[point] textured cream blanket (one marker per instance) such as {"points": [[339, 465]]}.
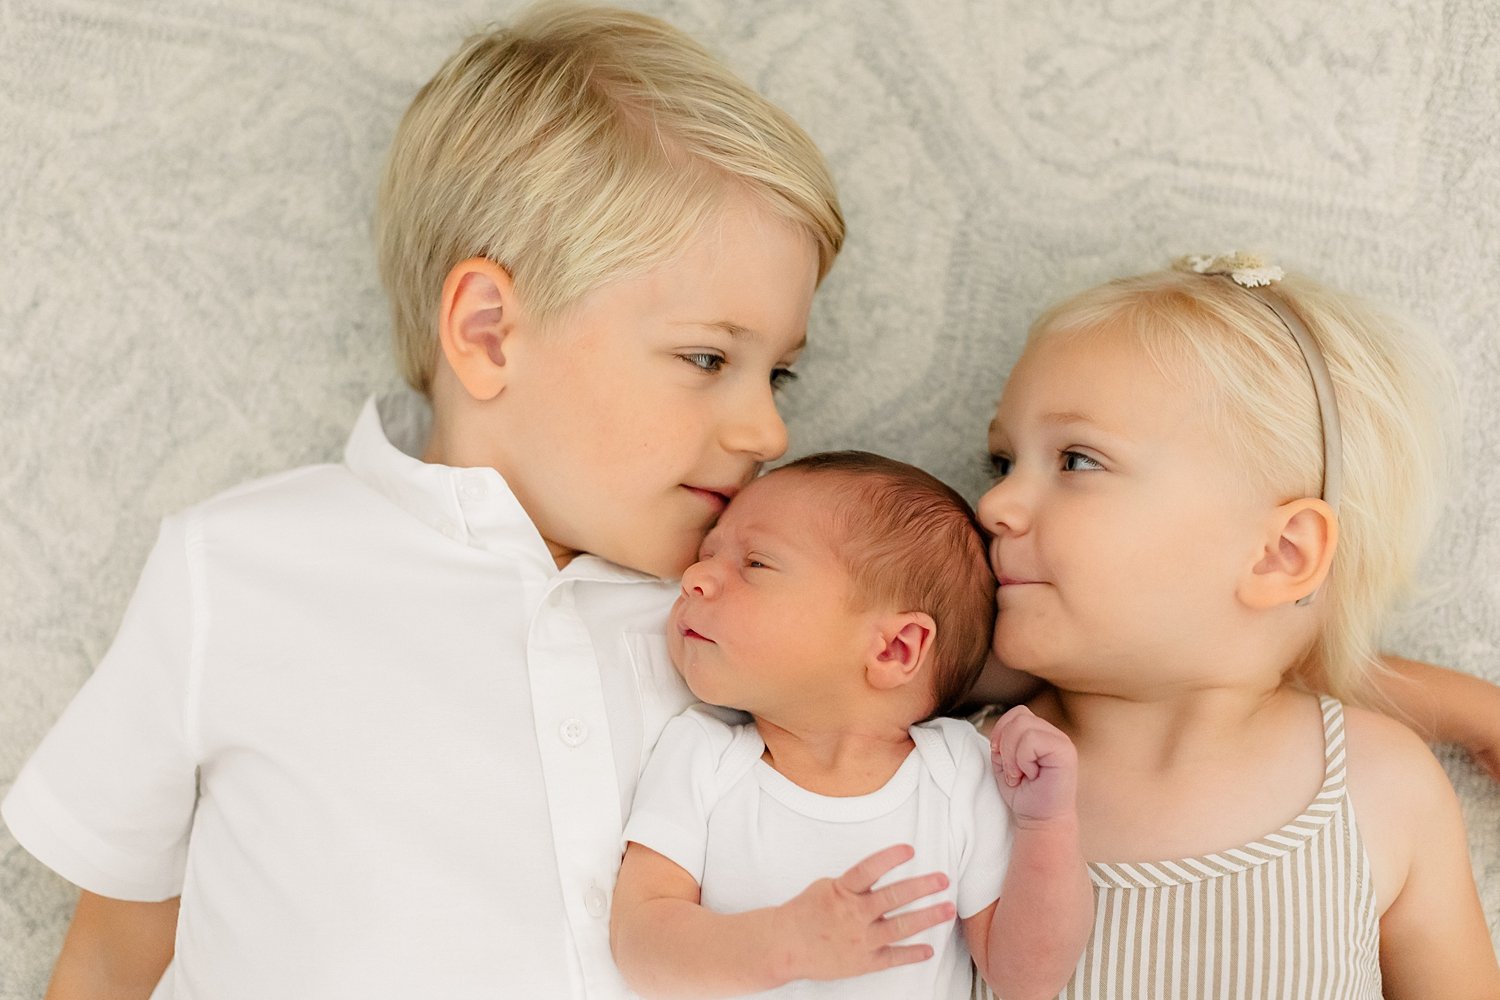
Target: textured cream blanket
{"points": [[188, 297]]}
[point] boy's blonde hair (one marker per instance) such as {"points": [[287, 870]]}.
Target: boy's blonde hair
{"points": [[576, 146], [911, 542], [1390, 384]]}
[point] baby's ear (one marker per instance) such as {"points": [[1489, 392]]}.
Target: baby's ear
{"points": [[478, 311], [1296, 555], [900, 648]]}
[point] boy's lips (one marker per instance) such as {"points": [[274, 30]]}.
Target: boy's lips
{"points": [[717, 497]]}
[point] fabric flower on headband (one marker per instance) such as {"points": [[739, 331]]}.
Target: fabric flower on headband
{"points": [[1243, 269]]}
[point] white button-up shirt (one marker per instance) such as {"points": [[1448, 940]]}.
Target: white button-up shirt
{"points": [[381, 746]]}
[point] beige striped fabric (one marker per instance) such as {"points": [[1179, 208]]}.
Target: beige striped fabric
{"points": [[1290, 916]]}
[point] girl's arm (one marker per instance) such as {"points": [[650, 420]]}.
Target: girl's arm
{"points": [[1433, 938], [668, 945], [1027, 943], [1445, 706]]}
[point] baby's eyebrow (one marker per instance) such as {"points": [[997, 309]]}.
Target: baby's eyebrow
{"points": [[715, 537]]}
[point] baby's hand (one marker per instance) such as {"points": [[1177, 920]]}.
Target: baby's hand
{"points": [[841, 927], [1036, 767]]}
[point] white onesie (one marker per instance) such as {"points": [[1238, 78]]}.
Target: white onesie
{"points": [[752, 838]]}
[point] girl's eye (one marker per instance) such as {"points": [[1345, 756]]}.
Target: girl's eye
{"points": [[782, 377], [1073, 461], [705, 361], [999, 466], [753, 563]]}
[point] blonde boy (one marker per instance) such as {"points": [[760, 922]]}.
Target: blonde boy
{"points": [[370, 729], [835, 835]]}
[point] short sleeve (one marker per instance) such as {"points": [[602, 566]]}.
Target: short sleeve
{"points": [[678, 790], [981, 819], [107, 799]]}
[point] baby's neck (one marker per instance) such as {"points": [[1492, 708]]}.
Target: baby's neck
{"points": [[833, 761]]}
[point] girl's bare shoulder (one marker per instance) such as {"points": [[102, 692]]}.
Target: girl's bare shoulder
{"points": [[1398, 790]]}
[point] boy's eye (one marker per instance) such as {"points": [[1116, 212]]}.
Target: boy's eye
{"points": [[1073, 461], [782, 377], [705, 361], [999, 466]]}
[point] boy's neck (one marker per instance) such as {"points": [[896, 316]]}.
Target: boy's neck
{"points": [[834, 761]]}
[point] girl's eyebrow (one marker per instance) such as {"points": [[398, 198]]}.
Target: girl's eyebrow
{"points": [[1068, 417]]}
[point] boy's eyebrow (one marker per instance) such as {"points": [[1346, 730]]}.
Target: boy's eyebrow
{"points": [[736, 331]]}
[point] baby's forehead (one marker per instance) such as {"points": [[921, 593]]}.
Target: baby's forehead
{"points": [[801, 508]]}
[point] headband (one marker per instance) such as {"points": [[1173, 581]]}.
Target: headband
{"points": [[1256, 277]]}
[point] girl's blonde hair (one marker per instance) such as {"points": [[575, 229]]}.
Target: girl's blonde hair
{"points": [[1390, 384], [573, 147]]}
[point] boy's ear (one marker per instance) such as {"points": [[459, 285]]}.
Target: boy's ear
{"points": [[478, 311], [1295, 557], [900, 647]]}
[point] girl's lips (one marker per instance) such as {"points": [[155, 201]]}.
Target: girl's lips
{"points": [[688, 633]]}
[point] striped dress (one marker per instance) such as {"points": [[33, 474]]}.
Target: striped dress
{"points": [[1291, 915]]}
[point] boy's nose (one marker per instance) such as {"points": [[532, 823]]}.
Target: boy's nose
{"points": [[755, 428]]}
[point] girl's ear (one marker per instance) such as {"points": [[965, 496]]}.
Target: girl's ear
{"points": [[1300, 540], [900, 648], [477, 313]]}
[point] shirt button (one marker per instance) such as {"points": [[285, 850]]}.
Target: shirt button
{"points": [[472, 489], [596, 902], [573, 732]]}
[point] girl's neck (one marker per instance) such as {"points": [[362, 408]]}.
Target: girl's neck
{"points": [[1168, 729], [833, 760], [1191, 773]]}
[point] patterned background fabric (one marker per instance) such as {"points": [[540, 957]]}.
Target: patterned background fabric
{"points": [[189, 296]]}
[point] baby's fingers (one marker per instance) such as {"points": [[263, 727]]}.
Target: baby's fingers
{"points": [[909, 890], [901, 954], [1005, 744], [1022, 745], [899, 926], [862, 876]]}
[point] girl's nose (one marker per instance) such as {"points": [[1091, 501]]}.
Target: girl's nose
{"points": [[1002, 509]]}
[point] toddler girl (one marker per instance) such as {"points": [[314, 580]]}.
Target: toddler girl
{"points": [[1212, 480]]}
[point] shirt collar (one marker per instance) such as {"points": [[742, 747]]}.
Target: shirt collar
{"points": [[473, 507]]}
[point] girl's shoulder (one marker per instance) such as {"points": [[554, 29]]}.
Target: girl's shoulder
{"points": [[1433, 938], [1397, 788], [1385, 755]]}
